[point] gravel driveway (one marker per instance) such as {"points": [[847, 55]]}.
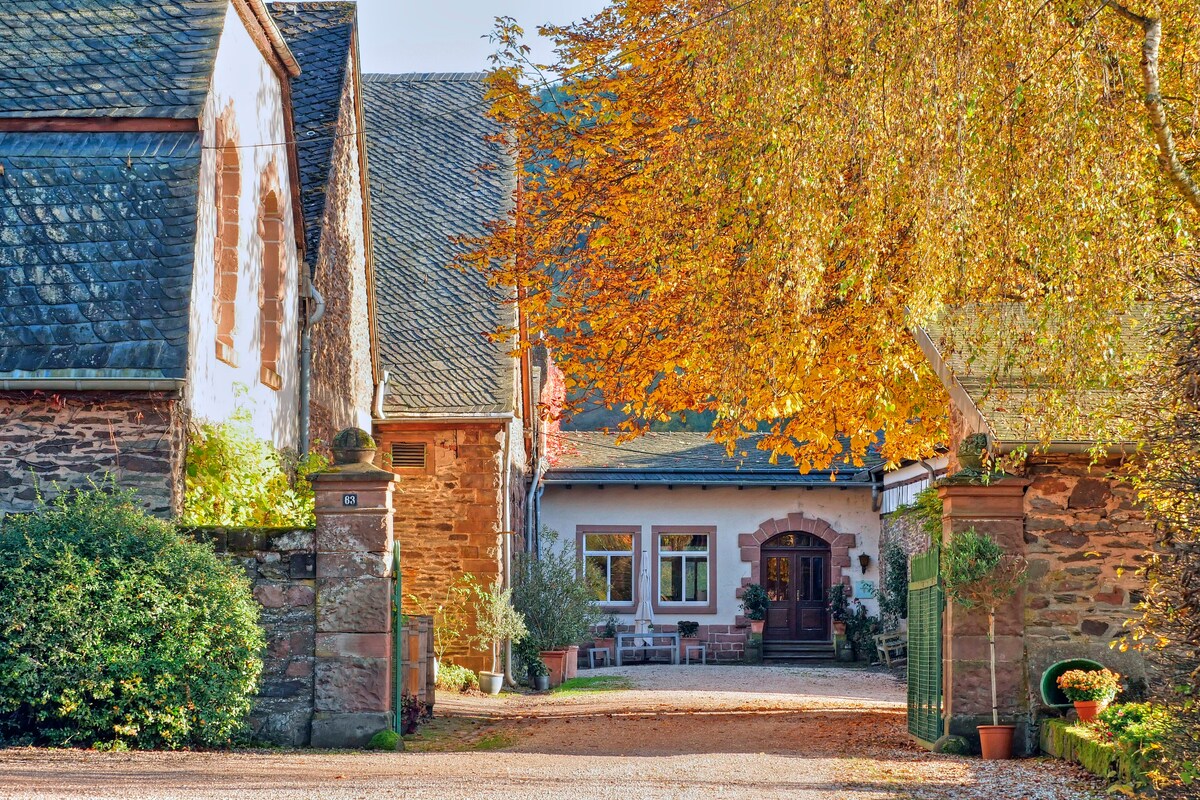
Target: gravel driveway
{"points": [[681, 732]]}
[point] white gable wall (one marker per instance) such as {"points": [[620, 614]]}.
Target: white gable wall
{"points": [[244, 84], [731, 511]]}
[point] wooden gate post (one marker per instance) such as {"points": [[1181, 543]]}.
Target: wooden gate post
{"points": [[354, 539]]}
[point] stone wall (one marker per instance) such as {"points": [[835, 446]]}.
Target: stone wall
{"points": [[904, 530], [342, 383], [65, 439], [280, 564], [1084, 540], [448, 515]]}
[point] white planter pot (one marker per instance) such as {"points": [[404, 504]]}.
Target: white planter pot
{"points": [[490, 682]]}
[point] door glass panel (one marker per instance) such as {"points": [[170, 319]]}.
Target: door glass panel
{"points": [[805, 584], [818, 579], [779, 578]]}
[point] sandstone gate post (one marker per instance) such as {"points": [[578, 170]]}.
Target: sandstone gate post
{"points": [[354, 647]]}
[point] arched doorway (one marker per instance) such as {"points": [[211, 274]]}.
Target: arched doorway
{"points": [[795, 572]]}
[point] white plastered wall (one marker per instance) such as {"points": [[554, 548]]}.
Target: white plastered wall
{"points": [[244, 84], [731, 511]]}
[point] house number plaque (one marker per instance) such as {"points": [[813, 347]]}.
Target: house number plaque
{"points": [[350, 500]]}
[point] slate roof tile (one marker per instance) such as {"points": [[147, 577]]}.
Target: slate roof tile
{"points": [[96, 257], [107, 58], [320, 35], [684, 457], [434, 176]]}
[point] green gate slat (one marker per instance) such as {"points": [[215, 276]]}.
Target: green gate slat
{"points": [[925, 599]]}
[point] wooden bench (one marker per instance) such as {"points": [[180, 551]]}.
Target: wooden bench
{"points": [[892, 648]]}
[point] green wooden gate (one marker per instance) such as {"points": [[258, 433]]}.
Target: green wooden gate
{"points": [[925, 601]]}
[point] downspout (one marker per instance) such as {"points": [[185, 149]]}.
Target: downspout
{"points": [[506, 539], [317, 314], [531, 501], [380, 390]]}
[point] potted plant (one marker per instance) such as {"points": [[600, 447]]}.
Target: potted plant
{"points": [[979, 574], [972, 450], [495, 621], [687, 636], [609, 640], [539, 675], [754, 605], [1091, 690]]}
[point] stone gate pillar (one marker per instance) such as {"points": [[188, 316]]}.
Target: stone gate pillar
{"points": [[998, 510], [353, 680]]}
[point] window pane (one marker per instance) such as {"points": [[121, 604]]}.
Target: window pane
{"points": [[697, 580], [607, 542], [621, 579], [597, 572], [670, 579], [683, 542]]}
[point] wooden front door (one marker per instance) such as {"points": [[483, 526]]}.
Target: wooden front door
{"points": [[795, 573]]}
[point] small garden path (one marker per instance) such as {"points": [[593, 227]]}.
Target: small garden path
{"points": [[801, 733]]}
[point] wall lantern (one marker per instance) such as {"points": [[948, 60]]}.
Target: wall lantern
{"points": [[864, 561]]}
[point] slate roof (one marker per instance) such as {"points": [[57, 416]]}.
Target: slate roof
{"points": [[320, 36], [96, 249], [1009, 394], [685, 457], [107, 58], [428, 156]]}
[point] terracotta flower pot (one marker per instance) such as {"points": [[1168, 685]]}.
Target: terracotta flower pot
{"points": [[756, 625], [684, 643], [1088, 709], [996, 741], [555, 661], [604, 643], [572, 662]]}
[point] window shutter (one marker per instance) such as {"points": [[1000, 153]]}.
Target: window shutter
{"points": [[408, 455]]}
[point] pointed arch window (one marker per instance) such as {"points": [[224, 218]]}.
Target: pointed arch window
{"points": [[228, 192], [270, 297]]}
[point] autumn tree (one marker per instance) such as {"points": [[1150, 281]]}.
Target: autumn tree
{"points": [[744, 208]]}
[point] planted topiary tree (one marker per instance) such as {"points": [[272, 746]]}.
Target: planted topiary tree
{"points": [[116, 631], [978, 574], [495, 621]]}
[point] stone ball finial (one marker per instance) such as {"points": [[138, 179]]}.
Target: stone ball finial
{"points": [[353, 446]]}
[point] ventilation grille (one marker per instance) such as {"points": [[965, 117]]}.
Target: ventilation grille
{"points": [[408, 455]]}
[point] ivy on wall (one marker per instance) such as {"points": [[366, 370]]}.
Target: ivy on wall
{"points": [[236, 479]]}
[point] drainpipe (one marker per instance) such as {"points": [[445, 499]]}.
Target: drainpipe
{"points": [[380, 390], [306, 362], [506, 538], [531, 507]]}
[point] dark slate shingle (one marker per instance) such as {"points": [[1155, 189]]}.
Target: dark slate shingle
{"points": [[97, 241], [685, 457], [107, 58], [320, 36], [434, 176]]}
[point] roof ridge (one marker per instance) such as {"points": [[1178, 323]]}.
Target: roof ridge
{"points": [[421, 77]]}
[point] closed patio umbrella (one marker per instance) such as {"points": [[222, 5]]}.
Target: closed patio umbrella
{"points": [[643, 617]]}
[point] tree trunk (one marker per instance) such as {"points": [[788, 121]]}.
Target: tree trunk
{"points": [[1168, 156], [992, 648]]}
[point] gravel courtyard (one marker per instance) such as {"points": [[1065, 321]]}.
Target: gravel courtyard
{"points": [[679, 732]]}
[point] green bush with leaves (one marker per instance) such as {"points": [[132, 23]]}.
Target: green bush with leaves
{"points": [[116, 631], [453, 678], [893, 597], [555, 599], [236, 479]]}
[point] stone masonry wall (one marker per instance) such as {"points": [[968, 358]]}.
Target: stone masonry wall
{"points": [[69, 438], [341, 363], [280, 565], [903, 530], [1084, 540], [448, 516]]}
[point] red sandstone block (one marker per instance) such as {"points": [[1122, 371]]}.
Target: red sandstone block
{"points": [[354, 565], [747, 540], [749, 553], [349, 533], [270, 595], [354, 605], [360, 645], [347, 685]]}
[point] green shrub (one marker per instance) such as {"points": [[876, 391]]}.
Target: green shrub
{"points": [[1138, 726], [116, 631], [453, 678], [555, 600], [236, 479]]}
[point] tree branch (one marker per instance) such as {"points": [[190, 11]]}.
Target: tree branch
{"points": [[1168, 157]]}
